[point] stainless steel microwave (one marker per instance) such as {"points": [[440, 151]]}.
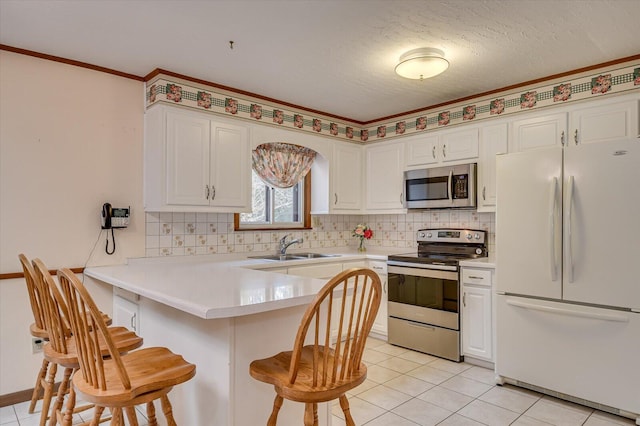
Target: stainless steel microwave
{"points": [[441, 187]]}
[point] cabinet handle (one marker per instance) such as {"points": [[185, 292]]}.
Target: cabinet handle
{"points": [[575, 137], [562, 138], [433, 152], [384, 288], [444, 150], [133, 321], [208, 192], [335, 198], [213, 192], [484, 193], [464, 299], [475, 277]]}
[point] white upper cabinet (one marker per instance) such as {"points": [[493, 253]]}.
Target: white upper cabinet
{"points": [[493, 141], [540, 131], [194, 162], [608, 120], [442, 147], [346, 178], [384, 171]]}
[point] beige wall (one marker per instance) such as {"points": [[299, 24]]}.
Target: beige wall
{"points": [[70, 140]]}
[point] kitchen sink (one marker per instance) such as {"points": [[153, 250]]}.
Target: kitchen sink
{"points": [[293, 256], [313, 255]]}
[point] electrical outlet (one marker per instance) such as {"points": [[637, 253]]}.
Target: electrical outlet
{"points": [[36, 344]]}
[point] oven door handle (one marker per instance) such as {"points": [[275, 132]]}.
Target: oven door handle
{"points": [[450, 186], [422, 266], [447, 274]]}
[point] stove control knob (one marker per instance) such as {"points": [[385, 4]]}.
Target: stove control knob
{"points": [[478, 251], [477, 236], [469, 236], [420, 234]]}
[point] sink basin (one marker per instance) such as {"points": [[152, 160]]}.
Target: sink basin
{"points": [[276, 257], [313, 255], [293, 256]]}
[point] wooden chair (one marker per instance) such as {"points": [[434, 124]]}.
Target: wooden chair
{"points": [[326, 360], [122, 381], [62, 347], [37, 329]]}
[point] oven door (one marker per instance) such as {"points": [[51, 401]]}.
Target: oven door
{"points": [[429, 296]]}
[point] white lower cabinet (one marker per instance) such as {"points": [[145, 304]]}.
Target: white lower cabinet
{"points": [[126, 311], [380, 324], [323, 270], [477, 318]]}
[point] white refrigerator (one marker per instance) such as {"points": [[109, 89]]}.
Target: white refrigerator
{"points": [[568, 272]]}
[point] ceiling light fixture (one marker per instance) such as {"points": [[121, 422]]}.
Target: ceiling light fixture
{"points": [[425, 62]]}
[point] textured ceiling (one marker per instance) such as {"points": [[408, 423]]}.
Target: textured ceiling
{"points": [[332, 56]]}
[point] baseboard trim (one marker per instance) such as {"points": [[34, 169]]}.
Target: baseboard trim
{"points": [[20, 396]]}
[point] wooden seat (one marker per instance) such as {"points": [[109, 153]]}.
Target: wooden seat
{"points": [[123, 380], [62, 346], [37, 329], [326, 360]]}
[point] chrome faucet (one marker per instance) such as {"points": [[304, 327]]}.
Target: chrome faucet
{"points": [[284, 244]]}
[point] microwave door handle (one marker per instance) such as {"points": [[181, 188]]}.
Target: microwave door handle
{"points": [[450, 186]]}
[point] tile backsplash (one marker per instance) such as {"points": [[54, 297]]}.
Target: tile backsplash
{"points": [[180, 234]]}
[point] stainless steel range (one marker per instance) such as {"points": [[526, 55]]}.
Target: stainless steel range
{"points": [[424, 290]]}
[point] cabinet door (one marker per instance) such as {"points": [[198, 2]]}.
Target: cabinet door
{"points": [[346, 177], [423, 150], [540, 132], [380, 324], [493, 141], [230, 179], [459, 145], [187, 159], [476, 322], [605, 122], [385, 164], [126, 313]]}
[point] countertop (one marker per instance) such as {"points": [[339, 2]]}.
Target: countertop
{"points": [[220, 286], [483, 262], [226, 286]]}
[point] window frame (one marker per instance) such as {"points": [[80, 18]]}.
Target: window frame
{"points": [[306, 214]]}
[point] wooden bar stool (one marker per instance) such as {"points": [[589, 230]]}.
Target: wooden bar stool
{"points": [[123, 380], [62, 348], [37, 329], [326, 360]]}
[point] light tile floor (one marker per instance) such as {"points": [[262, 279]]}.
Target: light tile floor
{"points": [[407, 388]]}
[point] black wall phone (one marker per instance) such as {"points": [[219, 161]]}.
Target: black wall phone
{"points": [[114, 217]]}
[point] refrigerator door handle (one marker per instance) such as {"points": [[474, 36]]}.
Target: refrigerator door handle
{"points": [[553, 200], [569, 230], [449, 187], [569, 312]]}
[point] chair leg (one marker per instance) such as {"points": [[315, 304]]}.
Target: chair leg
{"points": [[116, 417], [47, 385], [42, 375], [97, 414], [344, 404], [67, 419], [131, 415], [166, 409], [151, 414], [277, 403], [59, 402], [310, 414]]}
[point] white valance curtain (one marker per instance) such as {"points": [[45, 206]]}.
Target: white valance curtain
{"points": [[282, 165]]}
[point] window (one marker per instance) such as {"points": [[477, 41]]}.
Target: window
{"points": [[276, 208]]}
